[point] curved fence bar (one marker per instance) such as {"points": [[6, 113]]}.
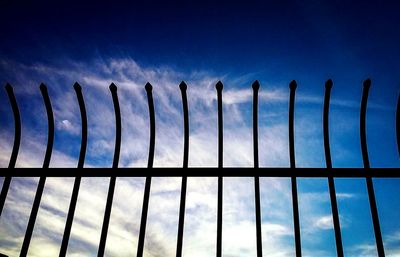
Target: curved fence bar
{"points": [[181, 222], [256, 87], [75, 190], [218, 172], [398, 123], [42, 180], [50, 122], [363, 110], [17, 126], [370, 185], [17, 141], [111, 187], [296, 221], [113, 90], [146, 196], [219, 86], [331, 181], [82, 108]]}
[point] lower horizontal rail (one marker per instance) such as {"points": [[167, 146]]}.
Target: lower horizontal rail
{"points": [[203, 172]]}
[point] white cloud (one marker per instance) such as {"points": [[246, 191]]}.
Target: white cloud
{"points": [[68, 126], [345, 195], [200, 222], [130, 77], [324, 222]]}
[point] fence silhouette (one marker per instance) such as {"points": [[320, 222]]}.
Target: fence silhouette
{"points": [[293, 172]]}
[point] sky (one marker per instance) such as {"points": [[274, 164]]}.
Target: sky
{"points": [[201, 42]]}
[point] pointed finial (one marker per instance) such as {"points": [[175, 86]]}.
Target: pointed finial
{"points": [[328, 84], [43, 87], [77, 86], [255, 85], [8, 87], [113, 87], [148, 87], [219, 86], [183, 86], [293, 85], [367, 83]]}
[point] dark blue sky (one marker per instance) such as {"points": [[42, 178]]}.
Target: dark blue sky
{"points": [[290, 37]]}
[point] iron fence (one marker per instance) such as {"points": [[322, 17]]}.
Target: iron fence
{"points": [[293, 172]]}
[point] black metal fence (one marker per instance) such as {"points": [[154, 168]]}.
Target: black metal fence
{"points": [[329, 172]]}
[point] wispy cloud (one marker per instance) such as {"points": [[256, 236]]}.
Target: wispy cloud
{"points": [[200, 222], [130, 77]]}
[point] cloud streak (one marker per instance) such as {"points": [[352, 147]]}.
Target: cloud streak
{"points": [[200, 222]]}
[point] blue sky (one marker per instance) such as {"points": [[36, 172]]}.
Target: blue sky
{"points": [[201, 42]]}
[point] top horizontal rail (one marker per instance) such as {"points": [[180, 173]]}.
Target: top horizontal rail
{"points": [[204, 172]]}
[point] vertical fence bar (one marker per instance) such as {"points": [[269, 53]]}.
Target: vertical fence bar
{"points": [[256, 87], [17, 141], [42, 180], [111, 187], [328, 160], [146, 196], [183, 88], [370, 185], [296, 221], [292, 87], [328, 88], [149, 89], [75, 190], [398, 123], [181, 222], [219, 86]]}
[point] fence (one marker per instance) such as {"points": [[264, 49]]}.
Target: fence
{"points": [[292, 172]]}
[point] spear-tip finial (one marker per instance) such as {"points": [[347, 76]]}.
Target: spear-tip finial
{"points": [[77, 86], [219, 86], [43, 87], [293, 85], [8, 86], [183, 86], [113, 87], [367, 83], [148, 87], [256, 85], [328, 84]]}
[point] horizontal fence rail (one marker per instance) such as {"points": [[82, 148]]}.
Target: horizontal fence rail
{"points": [[293, 172], [278, 172]]}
